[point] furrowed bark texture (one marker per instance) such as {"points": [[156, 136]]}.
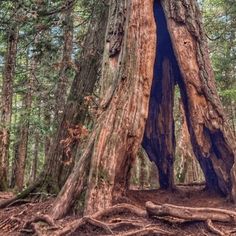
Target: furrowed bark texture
{"points": [[129, 72], [62, 85], [6, 103], [75, 184], [127, 77], [76, 109], [213, 142]]}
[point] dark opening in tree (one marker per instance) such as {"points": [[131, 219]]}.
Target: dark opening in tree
{"points": [[159, 135], [192, 72]]}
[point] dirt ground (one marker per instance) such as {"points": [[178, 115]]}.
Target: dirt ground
{"points": [[14, 217]]}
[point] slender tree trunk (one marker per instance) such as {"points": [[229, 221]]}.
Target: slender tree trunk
{"points": [[15, 147], [189, 170], [62, 85], [6, 110], [14, 161], [233, 116], [34, 164], [153, 176], [47, 114], [22, 145], [143, 170], [36, 147], [212, 140]]}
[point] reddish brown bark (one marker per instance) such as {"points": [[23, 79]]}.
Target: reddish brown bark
{"points": [[6, 110], [118, 133], [121, 125], [212, 140]]}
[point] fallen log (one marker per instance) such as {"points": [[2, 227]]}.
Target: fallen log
{"points": [[191, 213]]}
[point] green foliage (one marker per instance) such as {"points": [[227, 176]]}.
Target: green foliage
{"points": [[219, 17], [41, 26], [219, 20]]}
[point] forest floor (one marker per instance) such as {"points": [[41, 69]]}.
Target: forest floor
{"points": [[121, 220]]}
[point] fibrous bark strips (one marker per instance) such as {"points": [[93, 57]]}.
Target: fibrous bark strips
{"points": [[212, 140]]}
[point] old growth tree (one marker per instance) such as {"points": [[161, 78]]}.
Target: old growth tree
{"points": [[149, 49], [140, 51]]}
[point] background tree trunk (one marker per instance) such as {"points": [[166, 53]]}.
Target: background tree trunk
{"points": [[188, 169], [53, 175], [34, 162], [62, 85], [22, 145], [6, 110], [212, 140]]}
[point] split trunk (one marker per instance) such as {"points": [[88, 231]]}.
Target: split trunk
{"points": [[149, 48]]}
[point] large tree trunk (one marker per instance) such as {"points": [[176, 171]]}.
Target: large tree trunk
{"points": [[129, 69], [212, 140], [127, 78], [6, 103]]}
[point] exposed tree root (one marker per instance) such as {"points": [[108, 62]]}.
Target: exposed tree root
{"points": [[125, 224], [86, 220], [121, 208], [31, 226], [18, 202], [148, 231], [95, 219], [191, 213], [214, 230], [129, 220]]}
